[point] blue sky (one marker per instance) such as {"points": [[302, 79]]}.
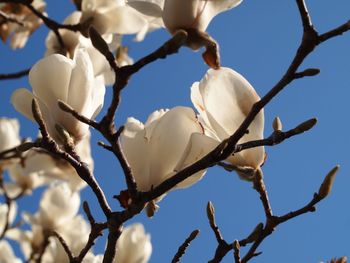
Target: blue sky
{"points": [[258, 39]]}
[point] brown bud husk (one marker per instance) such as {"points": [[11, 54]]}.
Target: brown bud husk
{"points": [[64, 135], [255, 233], [277, 124], [327, 183], [311, 72], [211, 213]]}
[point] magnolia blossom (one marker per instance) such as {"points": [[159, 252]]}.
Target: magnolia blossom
{"points": [[57, 78], [58, 206], [75, 40], [112, 16], [223, 99], [57, 212], [134, 245], [7, 255], [19, 34], [9, 133], [157, 149]]}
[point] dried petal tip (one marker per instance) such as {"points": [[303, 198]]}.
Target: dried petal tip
{"points": [[211, 213], [277, 124], [327, 183]]}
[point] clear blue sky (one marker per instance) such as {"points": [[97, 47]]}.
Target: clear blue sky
{"points": [[257, 39]]}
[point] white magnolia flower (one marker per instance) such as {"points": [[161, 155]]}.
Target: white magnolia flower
{"points": [[57, 212], [6, 253], [223, 99], [134, 245], [59, 78], [58, 206], [160, 147], [112, 16], [75, 40]]}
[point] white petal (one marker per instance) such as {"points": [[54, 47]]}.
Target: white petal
{"points": [[124, 20], [50, 79], [150, 8], [22, 99], [58, 205], [198, 146], [169, 140], [9, 133], [135, 148], [134, 245]]}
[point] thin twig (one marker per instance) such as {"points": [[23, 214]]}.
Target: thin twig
{"points": [[10, 18], [14, 75], [64, 245], [182, 249], [81, 168]]}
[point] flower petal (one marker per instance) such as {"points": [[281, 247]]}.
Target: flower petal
{"points": [[50, 79]]}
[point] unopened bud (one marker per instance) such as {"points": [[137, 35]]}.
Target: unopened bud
{"points": [[277, 124], [64, 135], [327, 183], [311, 72], [305, 126], [211, 213], [255, 233], [236, 245], [99, 43]]}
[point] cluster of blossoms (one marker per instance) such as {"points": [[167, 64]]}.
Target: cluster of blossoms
{"points": [[77, 74]]}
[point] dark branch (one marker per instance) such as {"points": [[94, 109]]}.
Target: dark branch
{"points": [[182, 249], [15, 75]]}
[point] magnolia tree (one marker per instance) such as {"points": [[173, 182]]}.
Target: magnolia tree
{"points": [[84, 70]]}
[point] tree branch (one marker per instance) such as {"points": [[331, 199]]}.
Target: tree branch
{"points": [[14, 75], [182, 249]]}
